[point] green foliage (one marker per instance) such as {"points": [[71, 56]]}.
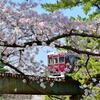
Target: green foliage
{"points": [[82, 75], [2, 64], [60, 4], [92, 69], [86, 5], [94, 14], [73, 18], [79, 17], [3, 70]]}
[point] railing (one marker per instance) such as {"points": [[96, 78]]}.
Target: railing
{"points": [[17, 84]]}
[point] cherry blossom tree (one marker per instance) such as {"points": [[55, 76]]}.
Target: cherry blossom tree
{"points": [[23, 29], [89, 72]]}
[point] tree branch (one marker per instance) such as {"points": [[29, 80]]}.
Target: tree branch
{"points": [[49, 41], [86, 63], [77, 50], [52, 39], [55, 97], [97, 77], [71, 34], [58, 46], [11, 66]]}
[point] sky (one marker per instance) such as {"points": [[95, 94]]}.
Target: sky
{"points": [[75, 11], [67, 12]]}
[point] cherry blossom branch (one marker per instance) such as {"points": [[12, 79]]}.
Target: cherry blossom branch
{"points": [[2, 53], [72, 34], [59, 36], [58, 46], [13, 67], [54, 38], [77, 50], [85, 35], [21, 45]]}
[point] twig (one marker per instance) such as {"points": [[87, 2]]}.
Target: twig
{"points": [[77, 50], [77, 70], [55, 97], [13, 67], [86, 66], [2, 53], [50, 97]]}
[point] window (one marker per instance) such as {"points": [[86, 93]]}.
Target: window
{"points": [[61, 59], [50, 60], [55, 60]]}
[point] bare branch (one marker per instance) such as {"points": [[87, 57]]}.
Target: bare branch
{"points": [[55, 97], [2, 53], [86, 64], [97, 77], [50, 97]]}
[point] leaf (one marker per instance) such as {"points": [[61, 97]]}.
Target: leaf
{"points": [[2, 64], [3, 70], [73, 18], [86, 7], [79, 17]]}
